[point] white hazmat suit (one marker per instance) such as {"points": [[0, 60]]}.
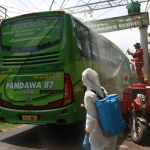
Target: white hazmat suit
{"points": [[97, 140]]}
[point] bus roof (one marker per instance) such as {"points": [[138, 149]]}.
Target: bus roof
{"points": [[59, 12]]}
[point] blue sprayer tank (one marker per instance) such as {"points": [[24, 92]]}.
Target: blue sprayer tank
{"points": [[110, 115]]}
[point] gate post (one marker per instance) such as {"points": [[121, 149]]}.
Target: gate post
{"points": [[144, 46]]}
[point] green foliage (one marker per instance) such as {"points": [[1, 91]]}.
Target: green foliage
{"points": [[7, 126]]}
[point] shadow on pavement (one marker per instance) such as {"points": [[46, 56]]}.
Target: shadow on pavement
{"points": [[48, 137], [64, 137]]}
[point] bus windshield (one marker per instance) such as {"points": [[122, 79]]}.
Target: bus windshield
{"points": [[31, 34]]}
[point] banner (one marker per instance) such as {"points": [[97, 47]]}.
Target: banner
{"points": [[119, 23]]}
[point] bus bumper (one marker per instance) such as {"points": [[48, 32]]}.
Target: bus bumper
{"points": [[65, 115]]}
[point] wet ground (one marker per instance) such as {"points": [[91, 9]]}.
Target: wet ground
{"points": [[51, 137]]}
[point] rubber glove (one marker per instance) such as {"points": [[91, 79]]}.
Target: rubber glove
{"points": [[86, 144], [128, 51]]}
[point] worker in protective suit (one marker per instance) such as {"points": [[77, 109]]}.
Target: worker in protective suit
{"points": [[139, 61], [93, 135]]}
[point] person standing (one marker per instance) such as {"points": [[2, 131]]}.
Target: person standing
{"points": [[139, 61], [94, 138]]}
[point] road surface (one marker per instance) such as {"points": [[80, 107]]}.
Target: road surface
{"points": [[51, 137]]}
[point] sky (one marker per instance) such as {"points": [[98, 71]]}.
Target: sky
{"points": [[124, 39]]}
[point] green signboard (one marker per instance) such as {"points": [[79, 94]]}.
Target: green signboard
{"points": [[119, 23]]}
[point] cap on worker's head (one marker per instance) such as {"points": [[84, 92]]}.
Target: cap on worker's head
{"points": [[137, 44]]}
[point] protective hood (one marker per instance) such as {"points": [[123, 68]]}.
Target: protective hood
{"points": [[90, 79]]}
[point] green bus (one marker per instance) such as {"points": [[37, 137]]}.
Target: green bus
{"points": [[42, 57]]}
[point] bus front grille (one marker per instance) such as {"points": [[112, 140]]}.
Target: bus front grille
{"points": [[46, 58]]}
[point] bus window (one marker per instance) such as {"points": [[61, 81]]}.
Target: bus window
{"points": [[82, 38], [107, 47], [126, 65], [102, 52], [30, 35], [123, 62], [94, 39], [132, 67], [94, 52], [79, 44]]}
